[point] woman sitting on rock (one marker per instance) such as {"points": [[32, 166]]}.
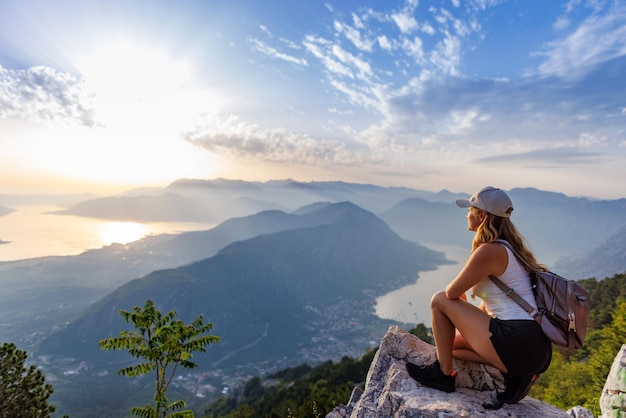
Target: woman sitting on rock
{"points": [[499, 332]]}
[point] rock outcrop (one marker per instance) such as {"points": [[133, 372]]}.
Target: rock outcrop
{"points": [[613, 398], [391, 392]]}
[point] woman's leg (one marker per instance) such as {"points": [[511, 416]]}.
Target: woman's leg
{"points": [[462, 350], [449, 315]]}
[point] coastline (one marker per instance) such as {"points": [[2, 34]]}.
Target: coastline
{"points": [[411, 304]]}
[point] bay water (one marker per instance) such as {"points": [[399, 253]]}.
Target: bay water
{"points": [[33, 231], [411, 304]]}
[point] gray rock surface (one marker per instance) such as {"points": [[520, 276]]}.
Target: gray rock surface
{"points": [[391, 392], [613, 398]]}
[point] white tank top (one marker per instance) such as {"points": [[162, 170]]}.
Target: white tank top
{"points": [[498, 304]]}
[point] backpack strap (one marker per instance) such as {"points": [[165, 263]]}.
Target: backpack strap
{"points": [[510, 292]]}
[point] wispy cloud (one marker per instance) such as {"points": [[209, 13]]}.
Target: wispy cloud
{"points": [[259, 46], [600, 37], [43, 95], [354, 36], [230, 137], [547, 157]]}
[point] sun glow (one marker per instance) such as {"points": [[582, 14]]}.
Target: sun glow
{"points": [[122, 232], [141, 98], [129, 82]]}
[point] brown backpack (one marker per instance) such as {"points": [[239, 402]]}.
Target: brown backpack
{"points": [[562, 305]]}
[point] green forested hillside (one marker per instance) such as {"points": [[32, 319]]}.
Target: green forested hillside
{"points": [[579, 379], [307, 391], [302, 391]]}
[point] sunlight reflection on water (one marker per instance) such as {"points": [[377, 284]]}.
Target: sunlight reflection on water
{"points": [[32, 232]]}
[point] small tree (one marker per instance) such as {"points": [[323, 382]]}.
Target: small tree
{"points": [[23, 391], [162, 343]]}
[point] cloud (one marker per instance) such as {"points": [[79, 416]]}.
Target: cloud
{"points": [[354, 36], [384, 43], [43, 95], [363, 67], [348, 54], [600, 37], [227, 136], [466, 115], [425, 105], [547, 157], [259, 46], [322, 49], [447, 56], [405, 21], [266, 30]]}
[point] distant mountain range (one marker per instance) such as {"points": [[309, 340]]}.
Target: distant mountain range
{"points": [[217, 200], [577, 236], [5, 210], [274, 298], [604, 261], [40, 293], [555, 226]]}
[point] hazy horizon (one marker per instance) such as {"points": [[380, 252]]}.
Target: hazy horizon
{"points": [[34, 230]]}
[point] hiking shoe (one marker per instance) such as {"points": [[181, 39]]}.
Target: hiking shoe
{"points": [[432, 376], [516, 387]]}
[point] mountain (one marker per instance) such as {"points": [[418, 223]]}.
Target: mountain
{"points": [[273, 299], [169, 206], [554, 224], [433, 222], [5, 210], [604, 261], [217, 200], [560, 225], [39, 294]]}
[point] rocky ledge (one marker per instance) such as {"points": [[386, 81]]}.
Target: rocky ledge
{"points": [[391, 392]]}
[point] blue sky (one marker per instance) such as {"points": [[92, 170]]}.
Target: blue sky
{"points": [[108, 95]]}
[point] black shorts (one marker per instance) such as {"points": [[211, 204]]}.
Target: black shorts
{"points": [[521, 345]]}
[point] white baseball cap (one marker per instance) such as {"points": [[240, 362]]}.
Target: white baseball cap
{"points": [[490, 199]]}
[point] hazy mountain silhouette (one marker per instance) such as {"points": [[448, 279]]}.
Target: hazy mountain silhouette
{"points": [[168, 206], [283, 293], [604, 261], [561, 225], [217, 200], [5, 210], [554, 224], [433, 222]]}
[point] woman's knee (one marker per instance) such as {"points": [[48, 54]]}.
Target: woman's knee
{"points": [[438, 298]]}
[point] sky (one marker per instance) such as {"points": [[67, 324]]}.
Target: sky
{"points": [[105, 96]]}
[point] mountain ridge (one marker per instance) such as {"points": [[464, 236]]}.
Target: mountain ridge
{"points": [[270, 280]]}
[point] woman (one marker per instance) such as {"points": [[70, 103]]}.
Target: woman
{"points": [[499, 332]]}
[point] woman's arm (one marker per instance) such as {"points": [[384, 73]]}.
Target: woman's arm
{"points": [[487, 259]]}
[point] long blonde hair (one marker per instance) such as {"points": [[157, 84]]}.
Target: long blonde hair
{"points": [[496, 227]]}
